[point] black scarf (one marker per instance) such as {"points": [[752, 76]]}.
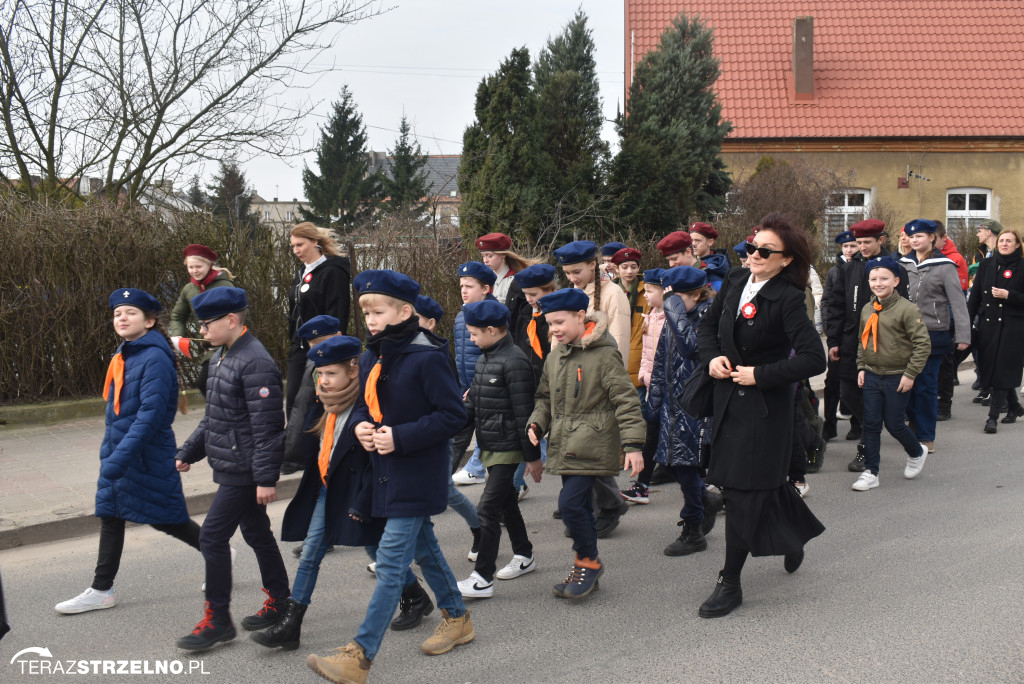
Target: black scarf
{"points": [[1007, 259], [399, 332]]}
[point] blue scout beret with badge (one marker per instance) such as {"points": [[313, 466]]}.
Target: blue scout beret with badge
{"points": [[335, 350], [319, 326], [428, 308], [883, 262], [219, 302], [683, 279], [844, 237], [140, 299], [387, 282], [741, 249], [485, 313], [475, 269], [577, 252], [537, 275], [610, 248], [920, 226], [566, 299], [653, 276]]}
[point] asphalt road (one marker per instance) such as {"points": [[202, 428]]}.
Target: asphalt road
{"points": [[916, 581]]}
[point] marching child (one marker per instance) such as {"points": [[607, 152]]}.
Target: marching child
{"points": [[242, 435], [409, 408], [590, 410], [627, 261], [503, 388], [894, 347]]}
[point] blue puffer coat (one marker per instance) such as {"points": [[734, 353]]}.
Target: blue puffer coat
{"points": [[679, 439], [466, 353], [138, 480], [716, 266]]}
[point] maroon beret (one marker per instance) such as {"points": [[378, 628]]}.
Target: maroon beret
{"points": [[704, 229], [627, 254], [200, 251], [494, 242], [868, 228], [676, 241]]}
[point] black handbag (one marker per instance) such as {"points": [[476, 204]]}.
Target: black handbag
{"points": [[696, 399]]}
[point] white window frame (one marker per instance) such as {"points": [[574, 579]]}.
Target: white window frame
{"points": [[289, 216], [266, 214], [848, 214], [961, 221]]}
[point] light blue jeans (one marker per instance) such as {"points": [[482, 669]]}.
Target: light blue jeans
{"points": [[474, 466], [405, 540], [313, 550], [457, 501], [519, 479]]}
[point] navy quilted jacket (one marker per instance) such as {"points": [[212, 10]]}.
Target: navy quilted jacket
{"points": [[242, 432], [466, 353], [138, 480]]}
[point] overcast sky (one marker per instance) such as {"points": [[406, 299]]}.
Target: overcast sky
{"points": [[426, 58]]}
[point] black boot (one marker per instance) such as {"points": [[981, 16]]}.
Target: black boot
{"points": [[726, 597], [816, 457], [413, 607], [857, 464], [990, 426], [1012, 414], [286, 632], [691, 540], [713, 504], [270, 614], [792, 561], [215, 627]]}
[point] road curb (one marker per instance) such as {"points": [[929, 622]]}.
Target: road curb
{"points": [[54, 412]]}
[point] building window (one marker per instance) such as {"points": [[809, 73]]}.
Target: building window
{"points": [[266, 215], [965, 209], [289, 216], [844, 209]]}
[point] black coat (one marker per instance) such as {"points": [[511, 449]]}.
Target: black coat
{"points": [[752, 432], [328, 294], [1000, 321], [349, 488], [841, 307], [520, 312], [501, 399]]}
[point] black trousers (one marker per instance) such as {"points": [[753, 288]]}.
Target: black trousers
{"points": [[650, 448], [947, 373], [1002, 400], [235, 507], [852, 395], [831, 395], [108, 560], [499, 501], [296, 367]]}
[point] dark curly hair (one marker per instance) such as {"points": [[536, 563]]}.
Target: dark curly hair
{"points": [[794, 245]]}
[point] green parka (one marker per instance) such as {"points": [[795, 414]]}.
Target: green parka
{"points": [[903, 341], [587, 405], [182, 313]]}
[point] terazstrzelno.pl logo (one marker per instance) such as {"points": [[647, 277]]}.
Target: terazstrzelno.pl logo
{"points": [[40, 661]]}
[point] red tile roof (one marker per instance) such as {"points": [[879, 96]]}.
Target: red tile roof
{"points": [[882, 68]]}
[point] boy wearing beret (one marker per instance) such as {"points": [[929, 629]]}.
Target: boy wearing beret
{"points": [[711, 261], [242, 436], [589, 409], [677, 248], [894, 347], [409, 408]]}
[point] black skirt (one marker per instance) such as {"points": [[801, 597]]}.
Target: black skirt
{"points": [[770, 522]]}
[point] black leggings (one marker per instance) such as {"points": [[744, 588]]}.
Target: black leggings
{"points": [[736, 552], [112, 544], [1003, 400]]}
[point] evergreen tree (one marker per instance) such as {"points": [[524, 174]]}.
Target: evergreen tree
{"points": [[569, 120], [230, 196], [668, 169], [343, 194], [405, 185], [194, 194]]}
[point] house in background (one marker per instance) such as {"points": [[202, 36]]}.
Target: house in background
{"points": [[920, 101], [443, 198], [276, 213]]}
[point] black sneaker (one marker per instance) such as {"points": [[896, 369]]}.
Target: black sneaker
{"points": [[581, 581], [857, 464], [1012, 414], [976, 385], [638, 493], [270, 614], [854, 433], [990, 426], [944, 414], [816, 457], [213, 628], [982, 397]]}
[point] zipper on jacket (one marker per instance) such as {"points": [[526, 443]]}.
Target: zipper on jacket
{"points": [[579, 379]]}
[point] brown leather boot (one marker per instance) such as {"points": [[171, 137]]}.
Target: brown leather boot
{"points": [[348, 665], [450, 633]]}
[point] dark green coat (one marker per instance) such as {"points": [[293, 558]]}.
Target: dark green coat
{"points": [[182, 313]]}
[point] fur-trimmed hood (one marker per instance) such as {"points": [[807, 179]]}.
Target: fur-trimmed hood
{"points": [[595, 336]]}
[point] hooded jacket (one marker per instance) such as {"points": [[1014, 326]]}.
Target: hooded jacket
{"points": [[716, 266], [587, 405], [501, 399], [950, 250], [935, 288], [653, 323], [903, 341]]}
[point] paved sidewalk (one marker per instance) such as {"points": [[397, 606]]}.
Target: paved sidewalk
{"points": [[49, 473]]}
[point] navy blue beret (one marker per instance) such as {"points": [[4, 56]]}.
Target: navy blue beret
{"points": [[537, 275], [683, 279], [319, 326], [920, 226], [428, 308], [566, 299], [485, 313], [610, 248], [387, 282], [741, 249], [654, 275], [577, 252], [219, 302], [335, 350], [475, 269], [140, 299], [883, 262], [844, 237]]}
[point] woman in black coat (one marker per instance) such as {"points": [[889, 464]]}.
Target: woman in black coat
{"points": [[757, 342], [997, 299]]}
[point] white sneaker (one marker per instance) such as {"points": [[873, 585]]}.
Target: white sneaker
{"points": [[90, 599], [519, 565], [915, 464], [372, 568], [866, 481], [523, 492], [476, 586], [464, 477], [843, 416], [233, 555]]}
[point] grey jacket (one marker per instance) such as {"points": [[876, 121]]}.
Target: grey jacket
{"points": [[935, 287]]}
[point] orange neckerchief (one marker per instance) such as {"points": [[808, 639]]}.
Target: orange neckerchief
{"points": [[115, 372], [871, 327], [370, 393], [531, 333], [327, 446]]}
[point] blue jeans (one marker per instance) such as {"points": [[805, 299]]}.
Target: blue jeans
{"points": [[313, 550], [404, 540], [519, 479], [576, 504], [923, 405], [692, 487], [882, 403], [457, 501], [474, 466]]}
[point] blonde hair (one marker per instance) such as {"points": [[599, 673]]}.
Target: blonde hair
{"points": [[213, 266], [516, 262], [324, 239], [378, 299]]}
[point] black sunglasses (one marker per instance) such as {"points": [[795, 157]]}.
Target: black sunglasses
{"points": [[762, 252]]}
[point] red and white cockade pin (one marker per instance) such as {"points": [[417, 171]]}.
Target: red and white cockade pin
{"points": [[1007, 273], [309, 277], [748, 310]]}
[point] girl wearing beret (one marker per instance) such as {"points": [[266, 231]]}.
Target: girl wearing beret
{"points": [[496, 253], [138, 480]]}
